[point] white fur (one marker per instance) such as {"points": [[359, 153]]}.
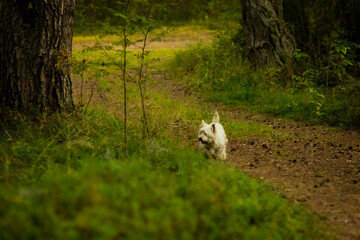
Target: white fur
{"points": [[212, 138]]}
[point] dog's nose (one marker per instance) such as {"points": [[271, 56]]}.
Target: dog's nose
{"points": [[200, 139]]}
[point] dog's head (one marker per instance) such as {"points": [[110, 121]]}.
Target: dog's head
{"points": [[207, 132]]}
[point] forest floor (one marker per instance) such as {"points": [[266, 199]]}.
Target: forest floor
{"points": [[315, 166]]}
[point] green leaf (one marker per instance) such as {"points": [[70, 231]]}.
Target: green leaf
{"points": [[120, 15]]}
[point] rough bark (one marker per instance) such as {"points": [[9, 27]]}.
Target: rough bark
{"points": [[267, 41], [35, 49]]}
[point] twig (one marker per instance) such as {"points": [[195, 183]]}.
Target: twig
{"points": [[142, 88], [91, 94], [111, 58]]}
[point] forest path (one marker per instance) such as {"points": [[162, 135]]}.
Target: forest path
{"points": [[315, 166]]}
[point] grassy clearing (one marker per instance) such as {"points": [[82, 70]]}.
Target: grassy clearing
{"points": [[158, 39], [188, 32], [160, 48], [64, 176]]}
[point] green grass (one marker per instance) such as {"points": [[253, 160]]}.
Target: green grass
{"points": [[220, 73], [246, 129], [65, 177], [186, 32], [157, 54]]}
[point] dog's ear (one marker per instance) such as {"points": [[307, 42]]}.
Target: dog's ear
{"points": [[202, 124], [213, 128], [216, 118]]}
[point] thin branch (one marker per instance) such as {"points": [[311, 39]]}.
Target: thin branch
{"points": [[124, 76], [141, 87], [91, 95], [111, 58]]}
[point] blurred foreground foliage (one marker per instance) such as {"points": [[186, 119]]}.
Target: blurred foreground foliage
{"points": [[64, 177]]}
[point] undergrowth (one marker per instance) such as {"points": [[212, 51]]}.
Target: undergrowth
{"points": [[220, 72], [64, 177]]}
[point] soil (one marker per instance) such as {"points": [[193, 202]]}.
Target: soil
{"points": [[314, 166]]}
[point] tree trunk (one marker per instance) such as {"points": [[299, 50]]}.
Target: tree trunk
{"points": [[35, 50], [267, 41]]}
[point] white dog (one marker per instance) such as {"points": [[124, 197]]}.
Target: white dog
{"points": [[212, 138]]}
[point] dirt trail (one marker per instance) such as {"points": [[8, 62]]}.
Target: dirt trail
{"points": [[315, 166]]}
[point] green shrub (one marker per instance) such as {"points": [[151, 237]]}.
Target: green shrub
{"points": [[221, 74]]}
